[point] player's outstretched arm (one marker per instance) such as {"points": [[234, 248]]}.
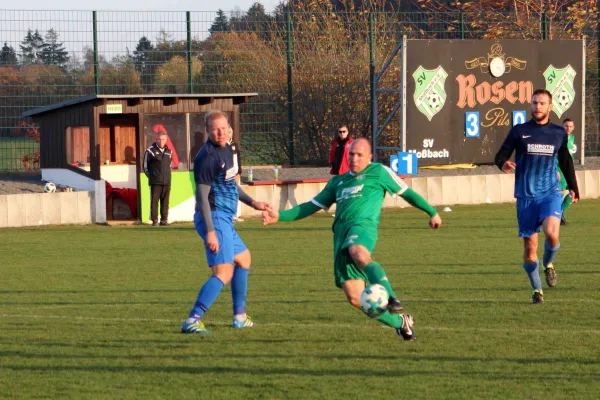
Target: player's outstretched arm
{"points": [[416, 200], [300, 211], [249, 201]]}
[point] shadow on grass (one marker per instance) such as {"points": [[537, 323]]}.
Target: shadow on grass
{"points": [[397, 370]]}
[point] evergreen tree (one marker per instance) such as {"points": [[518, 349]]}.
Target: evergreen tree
{"points": [[141, 54], [31, 48], [8, 57], [220, 24], [142, 59], [53, 51]]}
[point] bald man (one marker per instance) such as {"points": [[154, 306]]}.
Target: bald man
{"points": [[359, 195]]}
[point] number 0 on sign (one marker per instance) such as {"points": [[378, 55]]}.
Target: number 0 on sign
{"points": [[472, 124], [519, 117]]}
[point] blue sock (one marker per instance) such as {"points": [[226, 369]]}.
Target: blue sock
{"points": [[533, 272], [207, 295], [549, 253], [239, 289]]}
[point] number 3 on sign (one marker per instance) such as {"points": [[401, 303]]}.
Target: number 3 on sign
{"points": [[472, 124]]}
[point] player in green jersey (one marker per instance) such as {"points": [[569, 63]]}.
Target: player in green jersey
{"points": [[569, 126], [359, 195]]}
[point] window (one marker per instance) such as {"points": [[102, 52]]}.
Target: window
{"points": [[197, 135], [78, 145], [174, 125], [117, 144]]}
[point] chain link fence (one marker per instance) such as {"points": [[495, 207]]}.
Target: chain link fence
{"points": [[311, 69]]}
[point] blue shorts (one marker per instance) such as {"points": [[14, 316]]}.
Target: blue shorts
{"points": [[230, 243], [532, 212]]}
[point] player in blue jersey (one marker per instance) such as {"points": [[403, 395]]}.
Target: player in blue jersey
{"points": [[538, 144], [217, 196]]}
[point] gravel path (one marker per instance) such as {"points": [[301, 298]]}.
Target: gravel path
{"points": [[15, 184]]}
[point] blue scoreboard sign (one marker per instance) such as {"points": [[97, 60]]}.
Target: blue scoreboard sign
{"points": [[404, 163]]}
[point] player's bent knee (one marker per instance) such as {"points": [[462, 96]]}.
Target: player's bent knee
{"points": [[360, 255], [243, 260], [224, 272]]}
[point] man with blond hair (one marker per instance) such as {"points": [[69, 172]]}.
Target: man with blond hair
{"points": [[217, 195]]}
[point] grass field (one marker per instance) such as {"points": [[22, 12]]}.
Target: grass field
{"points": [[12, 151], [95, 311]]}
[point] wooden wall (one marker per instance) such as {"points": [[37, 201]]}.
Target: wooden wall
{"points": [[53, 124]]}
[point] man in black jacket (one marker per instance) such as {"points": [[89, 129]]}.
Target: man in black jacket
{"points": [[157, 167]]}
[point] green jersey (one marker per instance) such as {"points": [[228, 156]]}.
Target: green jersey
{"points": [[359, 197], [572, 150], [571, 145]]}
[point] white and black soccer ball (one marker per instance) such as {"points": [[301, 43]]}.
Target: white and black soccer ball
{"points": [[374, 300], [564, 99], [434, 100], [49, 187]]}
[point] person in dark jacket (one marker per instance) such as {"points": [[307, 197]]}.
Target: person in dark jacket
{"points": [[338, 156], [157, 167]]}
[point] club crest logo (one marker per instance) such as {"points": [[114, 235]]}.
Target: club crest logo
{"points": [[559, 82], [430, 95]]}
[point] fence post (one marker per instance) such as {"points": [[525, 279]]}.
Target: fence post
{"points": [[188, 20], [373, 82], [95, 38], [544, 26], [290, 91], [462, 25]]}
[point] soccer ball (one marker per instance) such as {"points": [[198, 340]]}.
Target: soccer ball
{"points": [[49, 187], [434, 100], [564, 99], [374, 300]]}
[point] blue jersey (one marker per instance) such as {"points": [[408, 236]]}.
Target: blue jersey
{"points": [[215, 166], [536, 149]]}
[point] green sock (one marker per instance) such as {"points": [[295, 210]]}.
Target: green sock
{"points": [[393, 320], [376, 274], [566, 203]]}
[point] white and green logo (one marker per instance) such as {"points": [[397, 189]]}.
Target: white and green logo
{"points": [[559, 82], [430, 95]]}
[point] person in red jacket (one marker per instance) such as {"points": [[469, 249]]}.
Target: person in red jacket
{"points": [[338, 156]]}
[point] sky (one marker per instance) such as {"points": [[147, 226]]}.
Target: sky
{"points": [[118, 31], [137, 5]]}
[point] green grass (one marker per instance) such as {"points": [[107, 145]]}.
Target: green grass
{"points": [[12, 151], [95, 311]]}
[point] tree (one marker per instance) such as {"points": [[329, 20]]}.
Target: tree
{"points": [[220, 24], [8, 57], [31, 48], [142, 59], [498, 19], [172, 76], [254, 20], [53, 52]]}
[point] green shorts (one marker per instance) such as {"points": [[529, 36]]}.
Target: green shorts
{"points": [[344, 236]]}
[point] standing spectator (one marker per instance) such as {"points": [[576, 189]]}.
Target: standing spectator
{"points": [[160, 129], [338, 156], [157, 167]]}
